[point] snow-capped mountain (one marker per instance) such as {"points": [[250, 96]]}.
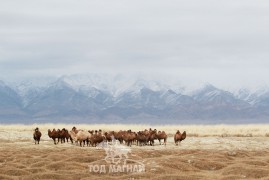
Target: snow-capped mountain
{"points": [[104, 98], [247, 96], [8, 97], [115, 85], [217, 97]]}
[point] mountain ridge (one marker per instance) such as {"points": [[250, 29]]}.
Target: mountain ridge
{"points": [[138, 101]]}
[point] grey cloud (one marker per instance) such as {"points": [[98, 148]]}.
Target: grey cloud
{"points": [[186, 38]]}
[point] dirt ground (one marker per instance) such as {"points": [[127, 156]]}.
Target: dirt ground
{"points": [[194, 158]]}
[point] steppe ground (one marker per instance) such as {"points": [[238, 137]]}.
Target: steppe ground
{"points": [[208, 152]]}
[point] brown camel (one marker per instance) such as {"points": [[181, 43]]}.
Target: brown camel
{"points": [[37, 134]]}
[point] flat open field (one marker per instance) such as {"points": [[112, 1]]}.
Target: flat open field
{"points": [[208, 152]]}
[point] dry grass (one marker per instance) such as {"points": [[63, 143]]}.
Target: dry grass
{"points": [[222, 130], [66, 161], [213, 152]]}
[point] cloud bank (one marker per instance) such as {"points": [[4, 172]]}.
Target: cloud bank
{"points": [[221, 42]]}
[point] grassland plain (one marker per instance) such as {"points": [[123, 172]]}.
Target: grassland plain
{"points": [[208, 152]]}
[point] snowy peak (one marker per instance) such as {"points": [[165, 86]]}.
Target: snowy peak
{"points": [[247, 96], [208, 93], [217, 97], [115, 85], [60, 84]]}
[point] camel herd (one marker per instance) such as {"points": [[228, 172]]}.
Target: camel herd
{"points": [[94, 137]]}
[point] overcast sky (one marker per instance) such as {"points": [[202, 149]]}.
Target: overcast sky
{"points": [[223, 42]]}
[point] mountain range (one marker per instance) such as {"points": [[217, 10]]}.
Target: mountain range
{"points": [[105, 99]]}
